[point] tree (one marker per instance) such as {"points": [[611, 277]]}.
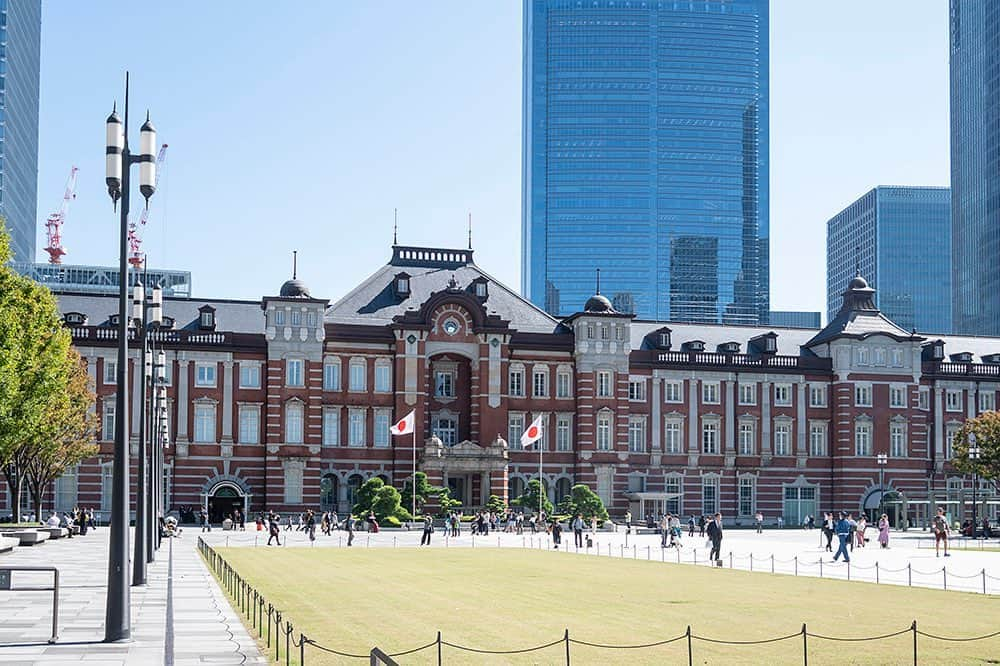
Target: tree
{"points": [[584, 501], [986, 427], [496, 505], [67, 435], [446, 503], [35, 367], [529, 500], [424, 492], [380, 499]]}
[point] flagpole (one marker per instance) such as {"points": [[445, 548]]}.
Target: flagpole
{"points": [[541, 486], [413, 483]]}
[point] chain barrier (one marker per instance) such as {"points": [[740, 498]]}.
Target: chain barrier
{"points": [[252, 604]]}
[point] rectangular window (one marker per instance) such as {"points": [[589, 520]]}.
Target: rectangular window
{"points": [[710, 496], [110, 374], [782, 395], [817, 396], [637, 391], [249, 375], [296, 318], [953, 400], [517, 382], [897, 441], [204, 423], [897, 356], [747, 493], [604, 384], [279, 317], [672, 439], [710, 437], [383, 378], [563, 441], [710, 393], [782, 439], [863, 395], [108, 421], [817, 439], [446, 430], [748, 394], [747, 447], [672, 489], [356, 427], [863, 439], [897, 397], [879, 356], [381, 429], [539, 384], [294, 423], [949, 441], [331, 427], [331, 377], [672, 392], [862, 355], [562, 385], [924, 398], [358, 379], [204, 374], [604, 432], [637, 435], [293, 372], [987, 401], [249, 424], [515, 428], [444, 384]]}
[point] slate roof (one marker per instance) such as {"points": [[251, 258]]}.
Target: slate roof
{"points": [[374, 302], [232, 316], [859, 317], [789, 340]]}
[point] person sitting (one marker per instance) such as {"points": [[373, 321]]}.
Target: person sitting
{"points": [[53, 520]]}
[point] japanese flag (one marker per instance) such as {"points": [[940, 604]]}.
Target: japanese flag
{"points": [[404, 426], [533, 433]]}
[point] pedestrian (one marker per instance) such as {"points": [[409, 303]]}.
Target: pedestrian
{"points": [[828, 530], [714, 530], [843, 530], [310, 526], [701, 525], [456, 524], [628, 522], [205, 525], [862, 526], [372, 522], [556, 534], [691, 524], [854, 530], [593, 526], [349, 526], [425, 539], [242, 520], [883, 531], [781, 522], [759, 520], [273, 529], [941, 529], [578, 526], [664, 530], [533, 523]]}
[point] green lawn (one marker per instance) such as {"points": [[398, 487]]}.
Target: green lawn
{"points": [[398, 599]]}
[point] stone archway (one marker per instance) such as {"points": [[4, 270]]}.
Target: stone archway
{"points": [[224, 500]]}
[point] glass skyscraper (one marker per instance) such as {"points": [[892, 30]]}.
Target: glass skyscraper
{"points": [[646, 155], [20, 43], [899, 238], [975, 165]]}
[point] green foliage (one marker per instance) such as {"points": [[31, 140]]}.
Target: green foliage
{"points": [[496, 505], [424, 492], [446, 503], [382, 500], [391, 521], [584, 501], [529, 500], [986, 427]]}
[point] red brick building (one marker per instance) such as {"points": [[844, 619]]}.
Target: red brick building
{"points": [[286, 403]]}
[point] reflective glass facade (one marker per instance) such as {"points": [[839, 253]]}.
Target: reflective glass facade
{"points": [[20, 42], [646, 155], [975, 165], [899, 238]]}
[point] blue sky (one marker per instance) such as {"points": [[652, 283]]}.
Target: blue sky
{"points": [[303, 130]]}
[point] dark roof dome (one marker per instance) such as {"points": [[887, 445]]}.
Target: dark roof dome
{"points": [[598, 303], [858, 283], [294, 288]]}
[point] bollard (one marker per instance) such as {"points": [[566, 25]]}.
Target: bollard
{"points": [[695, 553], [227, 541], [914, 629], [647, 552], [805, 647], [796, 560], [772, 562], [393, 541], [635, 552], [944, 574], [566, 639], [522, 542], [821, 567], [848, 570], [302, 649], [340, 542], [368, 543], [730, 559], [439, 648], [255, 537], [622, 546], [984, 581], [876, 573], [678, 556], [751, 561], [909, 575], [690, 653], [498, 542]]}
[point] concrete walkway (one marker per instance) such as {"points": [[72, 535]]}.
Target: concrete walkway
{"points": [[202, 625]]}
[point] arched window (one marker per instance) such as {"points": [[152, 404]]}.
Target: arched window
{"points": [[563, 488], [354, 482], [515, 488], [328, 487]]}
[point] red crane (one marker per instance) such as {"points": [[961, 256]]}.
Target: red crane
{"points": [[53, 225], [136, 257]]}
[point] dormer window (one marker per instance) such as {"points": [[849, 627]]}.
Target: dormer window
{"points": [[480, 288], [992, 359], [937, 350], [113, 319], [206, 318], [75, 319], [168, 322], [401, 285], [764, 344], [962, 357], [694, 346], [729, 348]]}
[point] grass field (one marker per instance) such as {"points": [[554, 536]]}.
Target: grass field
{"points": [[398, 599]]}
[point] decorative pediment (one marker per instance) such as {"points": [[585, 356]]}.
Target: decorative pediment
{"points": [[424, 316]]}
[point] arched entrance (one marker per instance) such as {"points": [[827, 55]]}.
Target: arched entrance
{"points": [[890, 502], [328, 488], [224, 500]]}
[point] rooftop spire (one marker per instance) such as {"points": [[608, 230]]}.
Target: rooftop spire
{"points": [[470, 230], [395, 225], [295, 264], [598, 282]]}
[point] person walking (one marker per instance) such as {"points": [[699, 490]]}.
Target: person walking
{"points": [[860, 534], [310, 526], [691, 524], [578, 526], [273, 529], [828, 530], [556, 534], [664, 530], [843, 530], [883, 531], [628, 522], [941, 529], [702, 521], [425, 539], [349, 526], [205, 525], [759, 520], [714, 530]]}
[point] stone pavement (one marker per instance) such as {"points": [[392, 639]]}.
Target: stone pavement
{"points": [[910, 560], [180, 617]]}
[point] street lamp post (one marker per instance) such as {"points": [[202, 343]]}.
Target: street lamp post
{"points": [[158, 426], [882, 460], [117, 618], [974, 453]]}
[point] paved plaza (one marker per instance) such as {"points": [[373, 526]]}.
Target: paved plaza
{"points": [[202, 627]]}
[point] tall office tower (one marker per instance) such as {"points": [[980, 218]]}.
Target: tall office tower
{"points": [[20, 43], [899, 238], [646, 155], [975, 165]]}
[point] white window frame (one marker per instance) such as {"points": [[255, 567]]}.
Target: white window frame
{"points": [[712, 482], [605, 384], [783, 438], [924, 398], [515, 428], [539, 383], [564, 432], [782, 395], [248, 372], [637, 434], [331, 426], [817, 395], [380, 424], [358, 379], [746, 502], [108, 419], [383, 376], [710, 393], [445, 427], [356, 424], [295, 372], [605, 426], [295, 422], [564, 383], [710, 437], [950, 431], [331, 374], [863, 395], [863, 439], [817, 439], [897, 397], [897, 440], [204, 423], [637, 390], [206, 375], [515, 381], [747, 394], [953, 400], [987, 401], [673, 435], [110, 377], [673, 391], [747, 438], [249, 424], [444, 383]]}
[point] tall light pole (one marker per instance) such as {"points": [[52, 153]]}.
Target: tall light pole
{"points": [[158, 428], [882, 460], [145, 313], [974, 453], [117, 617]]}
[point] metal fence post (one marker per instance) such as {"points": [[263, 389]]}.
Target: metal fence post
{"points": [[984, 581], [944, 576], [772, 562], [805, 646], [302, 649], [821, 567], [288, 647], [566, 639], [796, 559], [277, 636], [730, 559], [909, 574], [690, 652], [848, 570], [751, 561], [914, 627], [648, 551], [439, 648]]}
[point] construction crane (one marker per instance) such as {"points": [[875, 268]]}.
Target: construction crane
{"points": [[53, 225], [135, 255]]}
